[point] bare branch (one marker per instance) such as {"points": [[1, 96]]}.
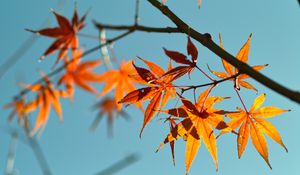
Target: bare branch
{"points": [[11, 154], [137, 9], [39, 156], [128, 160], [205, 40], [137, 28], [209, 84]]}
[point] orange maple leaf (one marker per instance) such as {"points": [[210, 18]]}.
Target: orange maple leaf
{"points": [[65, 34], [107, 106], [253, 123], [122, 80], [160, 90], [18, 109], [188, 66], [172, 124], [242, 55], [198, 122], [47, 96], [79, 73]]}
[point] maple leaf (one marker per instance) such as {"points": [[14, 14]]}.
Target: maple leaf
{"points": [[252, 123], [172, 124], [198, 122], [47, 96], [242, 55], [65, 34], [122, 80], [188, 66], [107, 106], [160, 90], [18, 109], [79, 73]]}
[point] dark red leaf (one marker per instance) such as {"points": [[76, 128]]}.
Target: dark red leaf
{"points": [[192, 50], [189, 105], [145, 74], [139, 94], [177, 57]]}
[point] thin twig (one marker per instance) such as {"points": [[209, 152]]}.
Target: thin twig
{"points": [[32, 142], [137, 9], [137, 28], [89, 36], [38, 152], [208, 84], [128, 160], [104, 50], [11, 154], [205, 40], [39, 156], [205, 74], [241, 100]]}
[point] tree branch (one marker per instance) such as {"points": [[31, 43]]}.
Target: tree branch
{"points": [[137, 28], [209, 84], [206, 41], [128, 160]]}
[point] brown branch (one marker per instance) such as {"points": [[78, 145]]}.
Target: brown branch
{"points": [[137, 28], [206, 41], [61, 68], [209, 84]]}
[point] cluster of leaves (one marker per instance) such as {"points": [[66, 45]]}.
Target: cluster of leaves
{"points": [[77, 73], [193, 121], [200, 120]]}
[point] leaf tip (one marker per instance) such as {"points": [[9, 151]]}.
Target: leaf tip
{"points": [[141, 133], [52, 10], [140, 58], [285, 148], [159, 147], [32, 31], [41, 58], [165, 50], [269, 164]]}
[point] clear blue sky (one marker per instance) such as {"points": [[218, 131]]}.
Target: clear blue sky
{"points": [[69, 146]]}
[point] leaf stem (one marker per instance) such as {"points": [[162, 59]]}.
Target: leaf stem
{"points": [[205, 74], [240, 98]]}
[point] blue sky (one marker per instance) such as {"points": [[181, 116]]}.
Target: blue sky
{"points": [[71, 148]]}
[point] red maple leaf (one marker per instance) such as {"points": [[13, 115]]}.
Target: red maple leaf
{"points": [[65, 34]]}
